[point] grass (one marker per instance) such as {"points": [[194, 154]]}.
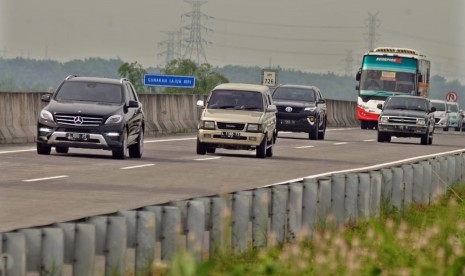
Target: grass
{"points": [[423, 240]]}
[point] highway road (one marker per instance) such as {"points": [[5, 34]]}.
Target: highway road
{"points": [[39, 190]]}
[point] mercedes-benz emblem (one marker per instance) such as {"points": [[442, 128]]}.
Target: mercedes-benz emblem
{"points": [[78, 120], [288, 109]]}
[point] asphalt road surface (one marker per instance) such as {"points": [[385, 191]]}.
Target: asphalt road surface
{"points": [[38, 190]]}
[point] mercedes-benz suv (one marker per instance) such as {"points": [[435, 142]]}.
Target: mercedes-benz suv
{"points": [[92, 113]]}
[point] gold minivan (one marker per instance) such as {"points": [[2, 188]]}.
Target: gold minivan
{"points": [[237, 116]]}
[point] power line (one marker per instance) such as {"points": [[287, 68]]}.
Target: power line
{"points": [[278, 51], [290, 39], [289, 25]]}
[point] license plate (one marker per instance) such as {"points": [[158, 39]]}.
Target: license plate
{"points": [[230, 134], [77, 136]]}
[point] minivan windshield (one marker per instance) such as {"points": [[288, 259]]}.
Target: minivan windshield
{"points": [[236, 99], [407, 103], [452, 108], [90, 92]]}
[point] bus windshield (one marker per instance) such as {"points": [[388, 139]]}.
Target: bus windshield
{"points": [[373, 81]]}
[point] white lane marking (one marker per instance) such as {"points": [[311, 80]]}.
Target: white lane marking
{"points": [[209, 158], [369, 140], [374, 167], [136, 167], [170, 140], [15, 151], [45, 178], [341, 143], [304, 147]]}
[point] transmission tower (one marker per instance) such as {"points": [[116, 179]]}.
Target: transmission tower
{"points": [[349, 60], [373, 24], [194, 44], [169, 46]]}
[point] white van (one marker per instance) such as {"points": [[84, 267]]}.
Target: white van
{"points": [[441, 115]]}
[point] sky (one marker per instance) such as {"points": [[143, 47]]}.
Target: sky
{"points": [[309, 35]]}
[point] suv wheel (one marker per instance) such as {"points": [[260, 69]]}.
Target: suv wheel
{"points": [[321, 133], [425, 139], [43, 149], [122, 151], [313, 134], [211, 150], [201, 147], [384, 137], [261, 150], [62, 149], [136, 150]]}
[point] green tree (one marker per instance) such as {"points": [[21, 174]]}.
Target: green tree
{"points": [[206, 78], [135, 73]]}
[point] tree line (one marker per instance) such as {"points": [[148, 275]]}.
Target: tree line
{"points": [[29, 75]]}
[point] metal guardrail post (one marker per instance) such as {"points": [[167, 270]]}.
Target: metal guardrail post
{"points": [[309, 205], [408, 185], [195, 228], [145, 242], [279, 196], [397, 188], [69, 233], [418, 183], [260, 211], [427, 181], [14, 249], [52, 252], [241, 206], [115, 246], [220, 216], [443, 178], [451, 179], [386, 184], [375, 194], [171, 231], [131, 222], [351, 200], [84, 250], [338, 187], [158, 212], [462, 168], [34, 249], [363, 199], [100, 223], [435, 179], [294, 211]]}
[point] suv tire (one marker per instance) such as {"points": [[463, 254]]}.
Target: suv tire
{"points": [[313, 134], [261, 150], [321, 133], [201, 147], [43, 149], [211, 150], [269, 150], [136, 150], [122, 152]]}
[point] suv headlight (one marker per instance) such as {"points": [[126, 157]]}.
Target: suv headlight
{"points": [[421, 122], [114, 119], [384, 119], [208, 125], [310, 108], [46, 115], [254, 127]]}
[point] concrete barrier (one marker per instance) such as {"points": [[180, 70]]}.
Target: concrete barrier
{"points": [[164, 114]]}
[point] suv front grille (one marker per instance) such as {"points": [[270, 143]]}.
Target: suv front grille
{"points": [[78, 120], [282, 108], [403, 120], [230, 126]]}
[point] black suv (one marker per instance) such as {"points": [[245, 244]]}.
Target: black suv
{"points": [[93, 113], [301, 109], [406, 116]]}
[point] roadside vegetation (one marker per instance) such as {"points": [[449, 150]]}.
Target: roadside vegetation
{"points": [[423, 240]]}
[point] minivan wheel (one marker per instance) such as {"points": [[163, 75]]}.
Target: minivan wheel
{"points": [[43, 149], [122, 152], [269, 150], [260, 151], [136, 150], [201, 147], [62, 149]]}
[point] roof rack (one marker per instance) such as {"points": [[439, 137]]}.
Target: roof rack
{"points": [[123, 79], [396, 50], [70, 77]]}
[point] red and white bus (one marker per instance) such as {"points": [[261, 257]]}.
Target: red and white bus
{"points": [[388, 71]]}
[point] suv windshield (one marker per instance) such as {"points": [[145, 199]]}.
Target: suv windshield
{"points": [[232, 99], [90, 92], [439, 106], [295, 94], [407, 103], [452, 108]]}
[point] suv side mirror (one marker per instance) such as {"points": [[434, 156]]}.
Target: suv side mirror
{"points": [[133, 104], [322, 101], [380, 106], [45, 98], [201, 104], [271, 108]]}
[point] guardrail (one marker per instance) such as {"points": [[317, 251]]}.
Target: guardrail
{"points": [[205, 226], [164, 114]]}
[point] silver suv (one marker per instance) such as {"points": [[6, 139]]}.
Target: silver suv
{"points": [[237, 116]]}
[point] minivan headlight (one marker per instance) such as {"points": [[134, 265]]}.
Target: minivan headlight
{"points": [[253, 127], [46, 115], [208, 124], [421, 122], [114, 119]]}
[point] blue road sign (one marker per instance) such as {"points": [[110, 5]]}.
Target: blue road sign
{"points": [[169, 81]]}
